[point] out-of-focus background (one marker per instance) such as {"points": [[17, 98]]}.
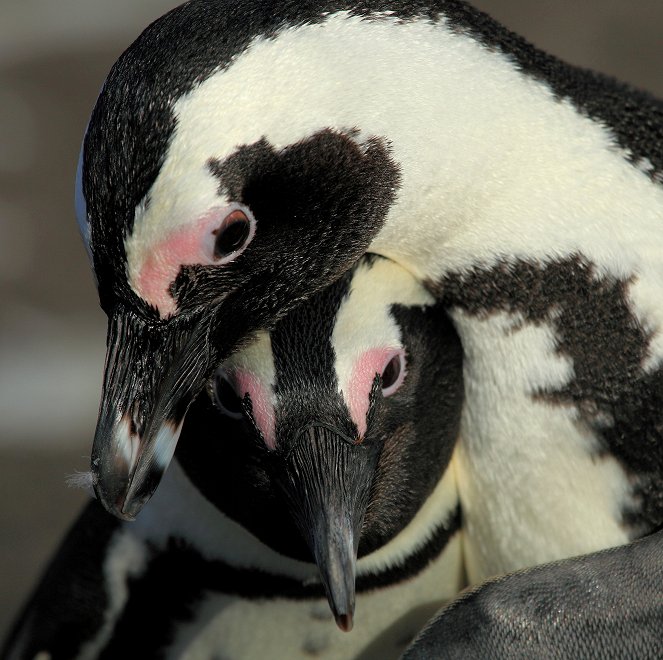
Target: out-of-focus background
{"points": [[53, 59]]}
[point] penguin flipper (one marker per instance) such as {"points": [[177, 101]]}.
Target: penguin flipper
{"points": [[67, 606], [605, 604]]}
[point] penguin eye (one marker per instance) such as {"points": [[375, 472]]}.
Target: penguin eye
{"points": [[225, 396], [232, 237], [393, 373]]}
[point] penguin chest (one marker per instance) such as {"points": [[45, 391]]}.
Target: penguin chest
{"points": [[534, 483], [386, 620]]}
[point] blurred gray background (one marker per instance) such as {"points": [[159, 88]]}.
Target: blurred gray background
{"points": [[53, 59]]}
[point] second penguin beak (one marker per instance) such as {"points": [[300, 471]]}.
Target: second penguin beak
{"points": [[326, 479]]}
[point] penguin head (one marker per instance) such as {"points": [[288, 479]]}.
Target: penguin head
{"points": [[202, 230], [324, 436]]}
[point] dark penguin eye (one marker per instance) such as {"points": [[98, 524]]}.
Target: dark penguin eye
{"points": [[225, 396], [234, 234], [393, 373]]}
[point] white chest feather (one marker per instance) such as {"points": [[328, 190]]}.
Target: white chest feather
{"points": [[229, 626], [386, 621], [532, 484]]}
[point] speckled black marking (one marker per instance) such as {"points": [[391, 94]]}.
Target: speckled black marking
{"points": [[595, 326], [67, 608], [315, 203]]}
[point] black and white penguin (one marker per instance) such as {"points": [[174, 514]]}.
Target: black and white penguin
{"points": [[242, 155], [330, 435]]}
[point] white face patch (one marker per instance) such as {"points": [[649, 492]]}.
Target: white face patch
{"points": [[364, 339], [365, 335], [200, 242], [252, 369], [492, 163]]}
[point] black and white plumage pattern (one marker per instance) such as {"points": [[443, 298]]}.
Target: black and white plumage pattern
{"points": [[529, 195], [526, 194], [215, 565]]}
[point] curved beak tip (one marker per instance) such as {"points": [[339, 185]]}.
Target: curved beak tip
{"points": [[115, 504], [344, 622], [337, 571], [129, 510], [125, 480], [327, 483]]}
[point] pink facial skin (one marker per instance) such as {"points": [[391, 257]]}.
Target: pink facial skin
{"points": [[247, 382], [188, 245], [370, 363]]}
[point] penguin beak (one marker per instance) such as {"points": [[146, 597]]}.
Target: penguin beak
{"points": [[326, 480], [152, 373]]}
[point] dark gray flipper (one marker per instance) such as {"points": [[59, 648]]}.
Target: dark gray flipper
{"points": [[604, 605], [68, 606]]}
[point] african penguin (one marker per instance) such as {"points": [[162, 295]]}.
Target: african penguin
{"points": [[329, 436], [243, 155]]}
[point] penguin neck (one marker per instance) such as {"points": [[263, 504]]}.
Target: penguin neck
{"points": [[179, 511]]}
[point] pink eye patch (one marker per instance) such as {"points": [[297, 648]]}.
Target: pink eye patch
{"points": [[247, 382], [388, 363], [215, 238]]}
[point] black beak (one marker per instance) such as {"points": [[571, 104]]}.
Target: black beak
{"points": [[152, 373], [326, 479]]}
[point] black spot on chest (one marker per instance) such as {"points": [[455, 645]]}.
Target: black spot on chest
{"points": [[617, 396]]}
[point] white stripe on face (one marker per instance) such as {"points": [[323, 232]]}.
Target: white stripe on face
{"points": [[253, 371], [365, 334]]}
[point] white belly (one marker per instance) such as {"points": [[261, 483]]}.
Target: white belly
{"points": [[385, 621]]}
